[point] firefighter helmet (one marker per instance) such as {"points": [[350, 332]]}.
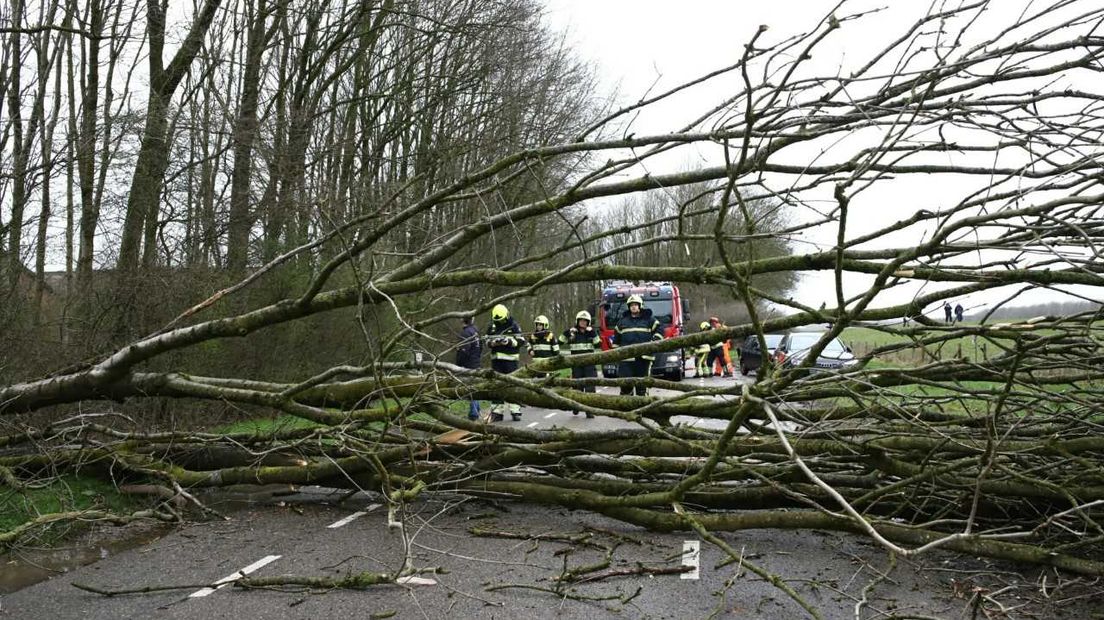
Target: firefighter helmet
{"points": [[635, 299], [500, 313], [704, 325], [541, 320], [583, 314]]}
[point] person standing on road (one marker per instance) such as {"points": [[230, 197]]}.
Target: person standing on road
{"points": [[636, 326], [542, 342], [724, 360], [959, 310], [716, 358], [505, 339], [467, 356], [701, 353], [947, 311], [579, 340]]}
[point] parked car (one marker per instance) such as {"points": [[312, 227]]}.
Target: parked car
{"points": [[794, 348], [751, 357]]}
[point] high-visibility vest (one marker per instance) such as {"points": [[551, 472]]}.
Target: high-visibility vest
{"points": [[542, 344], [637, 329], [578, 341], [504, 338]]}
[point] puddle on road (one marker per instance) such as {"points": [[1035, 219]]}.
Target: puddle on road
{"points": [[27, 567]]}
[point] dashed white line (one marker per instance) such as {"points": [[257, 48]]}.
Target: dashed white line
{"points": [[353, 517], [411, 580], [691, 556], [531, 425], [550, 415], [347, 520], [225, 581]]}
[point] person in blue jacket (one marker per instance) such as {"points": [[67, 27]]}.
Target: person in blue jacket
{"points": [[505, 341], [636, 326], [468, 354]]}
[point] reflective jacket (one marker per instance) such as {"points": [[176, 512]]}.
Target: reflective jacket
{"points": [[542, 344], [504, 339], [637, 329], [578, 341]]}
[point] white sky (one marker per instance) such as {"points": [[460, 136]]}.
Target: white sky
{"points": [[637, 45]]}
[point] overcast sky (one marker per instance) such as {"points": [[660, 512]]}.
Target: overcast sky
{"points": [[637, 45]]}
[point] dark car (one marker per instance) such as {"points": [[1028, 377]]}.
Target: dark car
{"points": [[794, 348], [751, 357]]}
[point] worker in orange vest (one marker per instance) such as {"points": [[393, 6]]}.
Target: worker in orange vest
{"points": [[723, 366]]}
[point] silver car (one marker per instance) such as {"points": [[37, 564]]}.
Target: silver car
{"points": [[795, 346]]}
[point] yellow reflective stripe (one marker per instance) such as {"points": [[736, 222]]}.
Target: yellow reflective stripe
{"points": [[634, 330], [504, 356]]}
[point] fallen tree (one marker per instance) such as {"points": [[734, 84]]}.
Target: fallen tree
{"points": [[991, 444]]}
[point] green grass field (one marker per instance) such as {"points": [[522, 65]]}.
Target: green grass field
{"points": [[864, 340], [67, 493]]}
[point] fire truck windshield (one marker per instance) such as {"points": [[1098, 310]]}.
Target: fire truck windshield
{"points": [[661, 310]]}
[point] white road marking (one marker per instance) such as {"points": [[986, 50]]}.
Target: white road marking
{"points": [[225, 581], [353, 517], [550, 415], [411, 580], [691, 556], [531, 425]]}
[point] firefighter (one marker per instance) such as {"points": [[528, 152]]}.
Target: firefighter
{"points": [[724, 357], [636, 326], [580, 339], [542, 342], [504, 339], [701, 353]]}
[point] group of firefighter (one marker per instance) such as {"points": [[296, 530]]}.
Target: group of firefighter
{"points": [[636, 325]]}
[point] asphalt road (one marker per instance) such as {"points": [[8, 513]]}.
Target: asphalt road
{"points": [[304, 535], [548, 418], [314, 533]]}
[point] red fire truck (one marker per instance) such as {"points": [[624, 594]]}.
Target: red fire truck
{"points": [[666, 304]]}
